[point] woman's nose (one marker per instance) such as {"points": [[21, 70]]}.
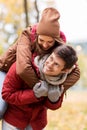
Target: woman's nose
{"points": [[45, 45]]}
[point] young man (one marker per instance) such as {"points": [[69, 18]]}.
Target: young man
{"points": [[29, 107], [54, 69]]}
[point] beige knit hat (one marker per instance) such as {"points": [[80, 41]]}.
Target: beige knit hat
{"points": [[49, 25]]}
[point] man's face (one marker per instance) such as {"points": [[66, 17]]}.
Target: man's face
{"points": [[45, 42], [53, 65]]}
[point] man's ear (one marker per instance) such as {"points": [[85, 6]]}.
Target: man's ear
{"points": [[69, 70], [66, 70]]}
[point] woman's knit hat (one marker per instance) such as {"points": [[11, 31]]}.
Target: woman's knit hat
{"points": [[49, 25]]}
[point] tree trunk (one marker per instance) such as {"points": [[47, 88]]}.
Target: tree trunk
{"points": [[26, 12], [36, 8]]}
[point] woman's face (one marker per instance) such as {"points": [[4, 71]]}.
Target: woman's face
{"points": [[45, 42], [53, 65]]}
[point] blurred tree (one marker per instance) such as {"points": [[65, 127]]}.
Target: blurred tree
{"points": [[1, 50], [26, 12], [11, 21], [37, 10], [50, 3], [83, 68], [16, 15]]}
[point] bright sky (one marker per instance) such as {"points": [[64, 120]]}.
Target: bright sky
{"points": [[73, 20]]}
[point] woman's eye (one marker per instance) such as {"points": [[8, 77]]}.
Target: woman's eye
{"points": [[41, 40], [50, 42]]}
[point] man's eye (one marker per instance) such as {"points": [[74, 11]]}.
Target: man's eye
{"points": [[50, 58], [56, 64]]}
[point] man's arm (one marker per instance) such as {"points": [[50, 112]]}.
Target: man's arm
{"points": [[13, 92], [53, 96], [56, 105]]}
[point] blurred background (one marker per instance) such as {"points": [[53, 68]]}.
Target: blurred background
{"points": [[15, 15]]}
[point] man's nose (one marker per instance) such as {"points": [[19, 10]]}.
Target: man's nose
{"points": [[50, 64]]}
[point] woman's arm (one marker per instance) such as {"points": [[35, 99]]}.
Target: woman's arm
{"points": [[72, 78], [8, 58], [24, 58], [21, 53]]}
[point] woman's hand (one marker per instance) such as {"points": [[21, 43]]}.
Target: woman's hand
{"points": [[41, 89]]}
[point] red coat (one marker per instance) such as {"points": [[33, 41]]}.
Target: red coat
{"points": [[24, 108]]}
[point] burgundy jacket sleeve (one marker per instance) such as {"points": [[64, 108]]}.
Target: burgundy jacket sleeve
{"points": [[24, 59], [54, 106], [13, 92]]}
